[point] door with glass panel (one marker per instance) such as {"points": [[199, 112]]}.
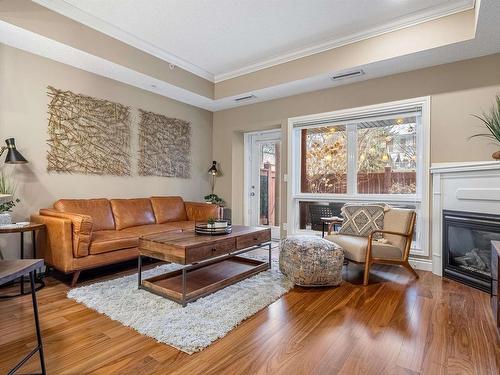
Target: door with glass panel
{"points": [[263, 157]]}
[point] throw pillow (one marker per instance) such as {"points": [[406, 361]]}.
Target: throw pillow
{"points": [[362, 220]]}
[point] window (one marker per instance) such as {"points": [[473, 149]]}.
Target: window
{"points": [[387, 162], [368, 154], [324, 160]]}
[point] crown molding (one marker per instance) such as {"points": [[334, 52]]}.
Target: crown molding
{"points": [[96, 23], [421, 17]]}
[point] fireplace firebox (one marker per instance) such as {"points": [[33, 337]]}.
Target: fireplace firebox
{"points": [[467, 240]]}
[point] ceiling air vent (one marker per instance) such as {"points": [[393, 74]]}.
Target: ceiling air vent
{"points": [[350, 74], [245, 98]]}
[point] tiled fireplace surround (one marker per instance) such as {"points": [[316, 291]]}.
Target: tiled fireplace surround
{"points": [[467, 187]]}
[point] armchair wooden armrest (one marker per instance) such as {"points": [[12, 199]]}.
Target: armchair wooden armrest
{"points": [[332, 224], [388, 232]]}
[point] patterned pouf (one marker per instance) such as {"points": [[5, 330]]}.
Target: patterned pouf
{"points": [[311, 261]]}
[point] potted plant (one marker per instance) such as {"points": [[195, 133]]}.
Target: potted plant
{"points": [[211, 222], [492, 122], [7, 189], [215, 199]]}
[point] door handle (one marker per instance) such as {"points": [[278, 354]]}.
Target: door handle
{"points": [[252, 194]]}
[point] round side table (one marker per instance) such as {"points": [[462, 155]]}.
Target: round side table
{"points": [[31, 227]]}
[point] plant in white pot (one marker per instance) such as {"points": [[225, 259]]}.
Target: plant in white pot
{"points": [[218, 201], [7, 200], [492, 122]]}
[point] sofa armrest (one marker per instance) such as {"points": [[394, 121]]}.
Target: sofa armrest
{"points": [[55, 243], [197, 211], [81, 229]]}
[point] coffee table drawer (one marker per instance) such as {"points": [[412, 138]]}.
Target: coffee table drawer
{"points": [[209, 251], [252, 239]]}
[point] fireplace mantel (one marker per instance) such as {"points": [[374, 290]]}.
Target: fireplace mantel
{"points": [[465, 186]]}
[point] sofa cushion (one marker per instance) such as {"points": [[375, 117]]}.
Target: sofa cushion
{"points": [[143, 230], [355, 247], [111, 240], [167, 209], [98, 209], [132, 212], [201, 211]]}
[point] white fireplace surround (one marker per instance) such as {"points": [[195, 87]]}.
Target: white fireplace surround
{"points": [[467, 186]]}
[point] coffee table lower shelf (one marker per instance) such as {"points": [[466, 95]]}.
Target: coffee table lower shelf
{"points": [[204, 280]]}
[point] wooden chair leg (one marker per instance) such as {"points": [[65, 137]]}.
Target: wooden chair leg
{"points": [[410, 268], [366, 275], [74, 280]]}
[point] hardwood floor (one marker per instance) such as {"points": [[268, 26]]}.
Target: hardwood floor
{"points": [[396, 325]]}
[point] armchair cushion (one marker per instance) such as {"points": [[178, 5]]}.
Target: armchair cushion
{"points": [[397, 220], [355, 247], [361, 220]]}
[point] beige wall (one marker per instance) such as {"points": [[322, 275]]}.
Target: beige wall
{"points": [[457, 90], [23, 115]]}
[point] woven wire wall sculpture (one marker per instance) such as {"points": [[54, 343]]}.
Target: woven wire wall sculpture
{"points": [[164, 146], [88, 135]]}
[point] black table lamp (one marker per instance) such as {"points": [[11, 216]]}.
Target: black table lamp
{"points": [[13, 156], [213, 172]]}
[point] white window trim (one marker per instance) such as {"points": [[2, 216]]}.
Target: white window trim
{"points": [[293, 169]]}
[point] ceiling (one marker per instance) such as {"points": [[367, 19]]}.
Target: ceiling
{"points": [[222, 39]]}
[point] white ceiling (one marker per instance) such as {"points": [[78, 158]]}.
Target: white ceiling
{"points": [[220, 39]]}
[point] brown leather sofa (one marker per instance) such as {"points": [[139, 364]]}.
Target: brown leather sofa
{"points": [[88, 233]]}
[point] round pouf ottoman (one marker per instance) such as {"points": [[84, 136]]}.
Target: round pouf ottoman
{"points": [[311, 261]]}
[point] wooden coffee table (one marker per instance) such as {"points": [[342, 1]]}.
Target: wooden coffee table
{"points": [[209, 263]]}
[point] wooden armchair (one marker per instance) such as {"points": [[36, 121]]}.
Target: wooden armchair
{"points": [[399, 225]]}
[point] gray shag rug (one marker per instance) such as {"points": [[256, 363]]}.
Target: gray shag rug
{"points": [[189, 329]]}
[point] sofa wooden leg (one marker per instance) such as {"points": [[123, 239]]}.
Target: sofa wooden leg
{"points": [[74, 280]]}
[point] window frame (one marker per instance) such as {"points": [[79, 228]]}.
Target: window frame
{"points": [[420, 198]]}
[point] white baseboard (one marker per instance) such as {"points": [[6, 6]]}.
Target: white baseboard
{"points": [[421, 264]]}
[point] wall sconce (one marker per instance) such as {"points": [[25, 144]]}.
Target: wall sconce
{"points": [[13, 156]]}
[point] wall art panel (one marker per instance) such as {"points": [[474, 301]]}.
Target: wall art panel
{"points": [[87, 135], [164, 146]]}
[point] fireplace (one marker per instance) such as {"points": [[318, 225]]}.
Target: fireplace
{"points": [[467, 240]]}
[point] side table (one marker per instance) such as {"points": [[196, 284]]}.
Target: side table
{"points": [[11, 270], [31, 227], [330, 222]]}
